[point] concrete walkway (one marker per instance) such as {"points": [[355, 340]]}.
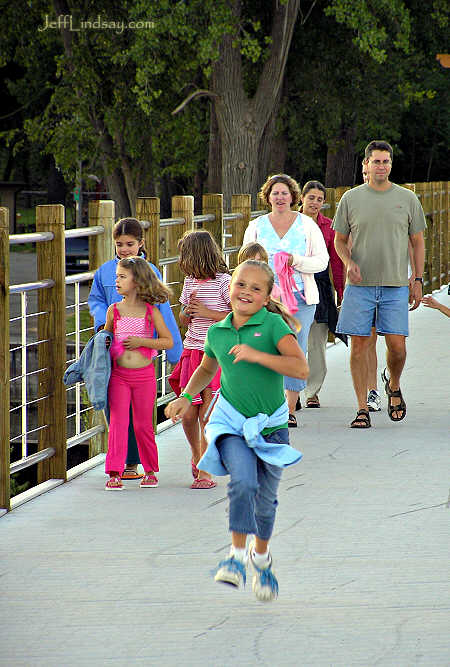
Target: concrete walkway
{"points": [[361, 548]]}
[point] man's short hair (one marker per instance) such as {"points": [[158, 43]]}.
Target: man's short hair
{"points": [[378, 146]]}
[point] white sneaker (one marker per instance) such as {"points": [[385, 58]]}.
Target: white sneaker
{"points": [[231, 571], [264, 582], [374, 401]]}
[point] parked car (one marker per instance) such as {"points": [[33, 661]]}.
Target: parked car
{"points": [[77, 255]]}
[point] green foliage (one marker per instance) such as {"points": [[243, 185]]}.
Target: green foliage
{"points": [[108, 99], [85, 323], [17, 487], [368, 22], [333, 86]]}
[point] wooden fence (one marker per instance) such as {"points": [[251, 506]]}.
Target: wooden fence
{"points": [[161, 238]]}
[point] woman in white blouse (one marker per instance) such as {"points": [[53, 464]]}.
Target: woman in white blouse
{"points": [[287, 230]]}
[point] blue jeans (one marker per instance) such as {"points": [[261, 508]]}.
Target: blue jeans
{"points": [[305, 315], [252, 490]]}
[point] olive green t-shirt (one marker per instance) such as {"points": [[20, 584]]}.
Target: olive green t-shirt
{"points": [[380, 224], [250, 388]]}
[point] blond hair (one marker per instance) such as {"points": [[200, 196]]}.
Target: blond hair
{"points": [[250, 251], [148, 287], [273, 306]]}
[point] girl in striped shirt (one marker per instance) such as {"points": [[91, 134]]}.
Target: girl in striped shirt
{"points": [[205, 299]]}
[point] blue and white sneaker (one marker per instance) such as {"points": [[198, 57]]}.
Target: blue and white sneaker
{"points": [[264, 582], [374, 401], [231, 571]]}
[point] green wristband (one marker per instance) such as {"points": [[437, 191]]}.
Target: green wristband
{"points": [[184, 394]]}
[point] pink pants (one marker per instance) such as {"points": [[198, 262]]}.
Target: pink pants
{"points": [[137, 385]]}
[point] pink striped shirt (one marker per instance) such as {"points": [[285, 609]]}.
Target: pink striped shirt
{"points": [[215, 295]]}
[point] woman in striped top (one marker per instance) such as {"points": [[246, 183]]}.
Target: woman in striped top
{"points": [[205, 299]]}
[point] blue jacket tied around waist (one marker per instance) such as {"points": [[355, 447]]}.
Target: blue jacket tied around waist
{"points": [[93, 368], [226, 419]]}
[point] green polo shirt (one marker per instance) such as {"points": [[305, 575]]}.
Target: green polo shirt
{"points": [[250, 388]]}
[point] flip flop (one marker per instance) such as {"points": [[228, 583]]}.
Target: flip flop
{"points": [[131, 474], [292, 421], [194, 470], [203, 483]]}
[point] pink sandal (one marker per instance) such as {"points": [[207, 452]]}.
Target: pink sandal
{"points": [[194, 469], [203, 483], [114, 484]]}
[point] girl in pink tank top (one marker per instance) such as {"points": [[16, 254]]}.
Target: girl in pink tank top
{"points": [[133, 322]]}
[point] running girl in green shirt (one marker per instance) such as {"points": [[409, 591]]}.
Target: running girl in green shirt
{"points": [[255, 346]]}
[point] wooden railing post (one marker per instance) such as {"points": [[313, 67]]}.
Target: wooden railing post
{"points": [[442, 220], [213, 204], [331, 201], [260, 203], [101, 250], [338, 192], [101, 247], [182, 207], [240, 204], [420, 192], [435, 283], [5, 478], [52, 411], [148, 208]]}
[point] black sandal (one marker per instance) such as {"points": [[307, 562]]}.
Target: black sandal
{"points": [[362, 420], [400, 407], [292, 421], [313, 402]]}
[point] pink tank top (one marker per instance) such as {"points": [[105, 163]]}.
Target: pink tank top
{"points": [[132, 326]]}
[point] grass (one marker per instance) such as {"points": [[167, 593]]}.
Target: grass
{"points": [[85, 322], [26, 224]]}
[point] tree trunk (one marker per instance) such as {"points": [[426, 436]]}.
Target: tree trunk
{"points": [[241, 120], [273, 149], [341, 156], [214, 181], [56, 187], [115, 184]]}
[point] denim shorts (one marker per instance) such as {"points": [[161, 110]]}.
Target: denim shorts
{"points": [[385, 308]]}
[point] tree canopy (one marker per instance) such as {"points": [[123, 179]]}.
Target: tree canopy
{"points": [[167, 97]]}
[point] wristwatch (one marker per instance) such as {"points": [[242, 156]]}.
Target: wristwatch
{"points": [[419, 280]]}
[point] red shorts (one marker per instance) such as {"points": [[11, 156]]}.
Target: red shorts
{"points": [[183, 371]]}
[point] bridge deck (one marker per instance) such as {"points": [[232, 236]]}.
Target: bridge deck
{"points": [[361, 548]]}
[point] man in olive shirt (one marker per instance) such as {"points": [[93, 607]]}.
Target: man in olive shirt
{"points": [[380, 216]]}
